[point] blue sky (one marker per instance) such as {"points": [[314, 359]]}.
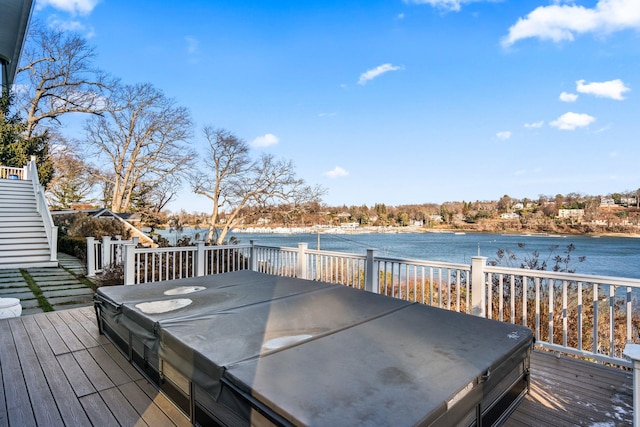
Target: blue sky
{"points": [[395, 102]]}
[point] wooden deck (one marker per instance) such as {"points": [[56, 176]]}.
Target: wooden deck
{"points": [[56, 370]]}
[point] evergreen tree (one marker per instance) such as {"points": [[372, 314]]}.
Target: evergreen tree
{"points": [[15, 149]]}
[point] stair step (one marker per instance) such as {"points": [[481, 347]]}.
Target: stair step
{"points": [[12, 253], [23, 218], [12, 240], [24, 260], [23, 240], [15, 183], [17, 198], [27, 207], [7, 226], [23, 252], [11, 216]]}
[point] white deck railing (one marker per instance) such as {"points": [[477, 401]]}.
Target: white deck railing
{"points": [[106, 252], [589, 316], [7, 172]]}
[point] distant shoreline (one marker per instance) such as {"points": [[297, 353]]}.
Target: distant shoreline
{"points": [[411, 229]]}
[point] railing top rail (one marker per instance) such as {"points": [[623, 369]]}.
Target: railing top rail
{"points": [[280, 248], [217, 247], [336, 254], [184, 248], [545, 274], [440, 264]]}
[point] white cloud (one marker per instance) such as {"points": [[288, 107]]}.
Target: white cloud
{"points": [[80, 7], [400, 16], [376, 72], [534, 125], [559, 22], [568, 97], [613, 154], [611, 89], [192, 44], [504, 135], [71, 26], [336, 172], [450, 5], [265, 140], [327, 114], [572, 121]]}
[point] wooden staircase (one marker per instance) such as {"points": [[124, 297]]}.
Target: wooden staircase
{"points": [[23, 240]]}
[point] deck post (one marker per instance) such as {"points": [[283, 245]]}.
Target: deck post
{"points": [[478, 287], [106, 252], [632, 351], [371, 279], [129, 264], [91, 257], [199, 259], [253, 262], [301, 268]]}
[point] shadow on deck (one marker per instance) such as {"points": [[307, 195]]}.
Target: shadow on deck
{"points": [[57, 370]]}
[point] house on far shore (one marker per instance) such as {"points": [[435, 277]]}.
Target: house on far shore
{"points": [[509, 215], [576, 214], [131, 221]]}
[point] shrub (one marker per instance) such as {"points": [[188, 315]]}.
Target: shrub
{"points": [[74, 246], [84, 226]]}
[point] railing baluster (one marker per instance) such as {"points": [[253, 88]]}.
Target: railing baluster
{"points": [[595, 318], [612, 317], [501, 297], [440, 287], [448, 289], [458, 291], [579, 316], [525, 300], [551, 283], [431, 286], [629, 311], [537, 283], [564, 313], [490, 297], [512, 291]]}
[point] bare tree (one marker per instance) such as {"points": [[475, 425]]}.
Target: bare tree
{"points": [[233, 181], [59, 77], [72, 180], [142, 137]]}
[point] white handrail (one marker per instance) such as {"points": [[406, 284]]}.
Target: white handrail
{"points": [[41, 204]]}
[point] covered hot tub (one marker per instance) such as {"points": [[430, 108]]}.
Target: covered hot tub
{"points": [[248, 348]]}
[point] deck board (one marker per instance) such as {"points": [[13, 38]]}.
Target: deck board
{"points": [[46, 411], [18, 406], [570, 392], [55, 369]]}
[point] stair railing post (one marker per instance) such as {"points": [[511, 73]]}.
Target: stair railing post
{"points": [[54, 243], [478, 286], [301, 268], [371, 279], [91, 256]]}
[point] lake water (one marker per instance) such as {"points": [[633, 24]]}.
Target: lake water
{"points": [[605, 256]]}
